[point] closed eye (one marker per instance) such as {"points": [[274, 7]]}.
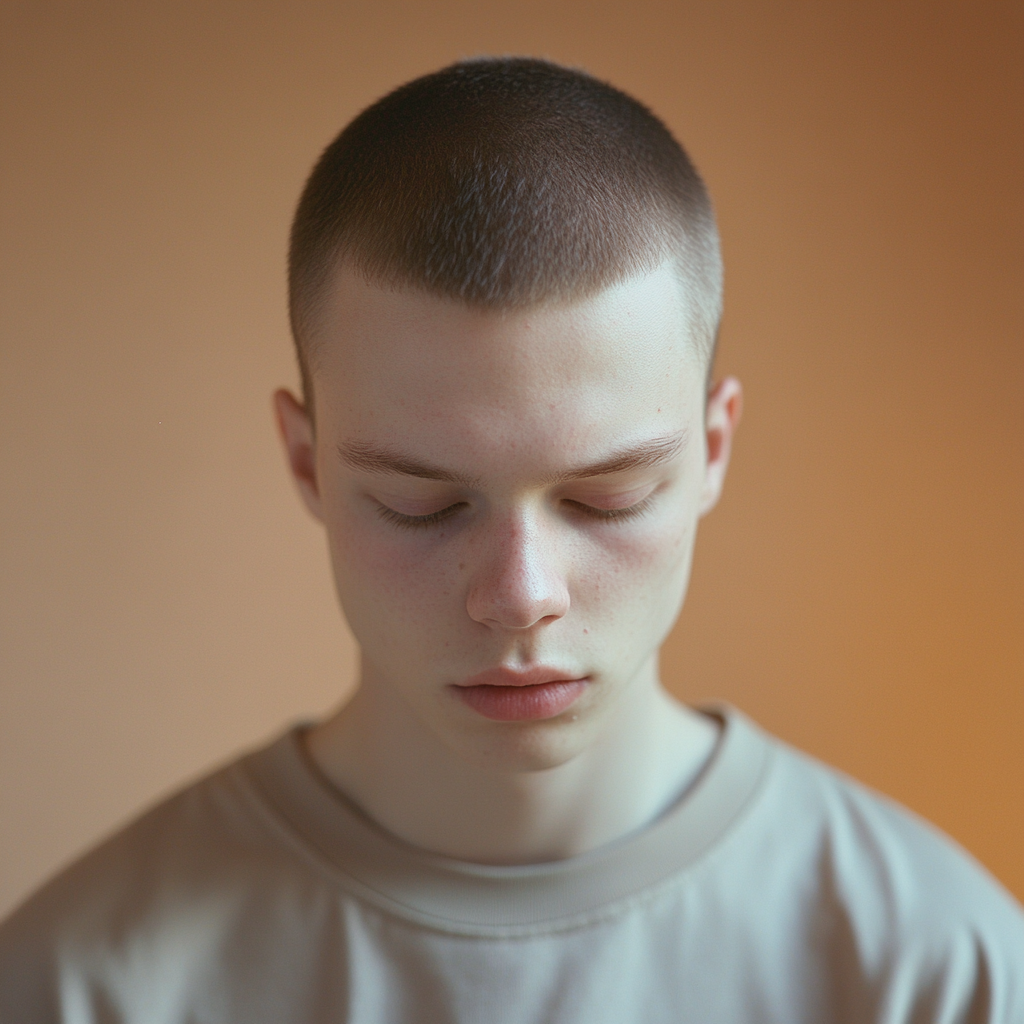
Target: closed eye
{"points": [[389, 515], [407, 522], [611, 514]]}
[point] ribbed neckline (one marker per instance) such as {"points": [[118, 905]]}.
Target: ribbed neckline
{"points": [[474, 899]]}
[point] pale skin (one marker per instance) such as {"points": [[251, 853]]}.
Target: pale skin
{"points": [[510, 489]]}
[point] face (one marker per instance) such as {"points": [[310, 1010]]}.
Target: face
{"points": [[510, 500]]}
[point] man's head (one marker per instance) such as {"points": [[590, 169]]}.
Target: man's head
{"points": [[503, 184], [512, 449]]}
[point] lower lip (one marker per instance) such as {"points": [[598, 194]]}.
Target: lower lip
{"points": [[522, 703]]}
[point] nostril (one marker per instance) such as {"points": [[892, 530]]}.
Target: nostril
{"points": [[520, 586], [518, 608]]}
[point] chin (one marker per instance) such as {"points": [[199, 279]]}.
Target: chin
{"points": [[521, 747]]}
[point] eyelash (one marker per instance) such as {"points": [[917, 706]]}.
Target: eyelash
{"points": [[612, 514], [389, 515]]}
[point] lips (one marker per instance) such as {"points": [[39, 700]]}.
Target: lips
{"points": [[505, 695]]}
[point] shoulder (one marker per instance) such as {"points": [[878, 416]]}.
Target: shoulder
{"points": [[874, 846], [895, 899], [170, 887]]}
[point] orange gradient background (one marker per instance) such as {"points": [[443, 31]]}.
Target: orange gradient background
{"points": [[165, 601]]}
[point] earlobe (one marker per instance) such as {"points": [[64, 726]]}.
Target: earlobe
{"points": [[724, 408], [296, 430]]}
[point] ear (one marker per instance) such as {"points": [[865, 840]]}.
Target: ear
{"points": [[724, 407], [296, 429]]}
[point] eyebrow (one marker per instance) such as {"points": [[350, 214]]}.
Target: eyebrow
{"points": [[371, 458], [643, 455]]}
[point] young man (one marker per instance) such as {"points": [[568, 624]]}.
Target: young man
{"points": [[505, 288]]}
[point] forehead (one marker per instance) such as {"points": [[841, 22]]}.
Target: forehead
{"points": [[394, 364]]}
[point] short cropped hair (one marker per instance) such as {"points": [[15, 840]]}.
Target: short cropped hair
{"points": [[503, 183]]}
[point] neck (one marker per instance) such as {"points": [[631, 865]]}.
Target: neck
{"points": [[407, 780]]}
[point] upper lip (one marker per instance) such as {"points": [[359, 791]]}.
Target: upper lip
{"points": [[502, 676]]}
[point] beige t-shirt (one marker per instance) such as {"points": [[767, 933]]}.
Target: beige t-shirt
{"points": [[775, 890]]}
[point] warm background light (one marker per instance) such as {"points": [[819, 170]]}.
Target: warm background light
{"points": [[165, 602]]}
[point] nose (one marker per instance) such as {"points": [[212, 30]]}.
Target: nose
{"points": [[518, 583]]}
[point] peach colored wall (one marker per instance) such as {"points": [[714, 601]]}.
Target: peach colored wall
{"points": [[164, 599]]}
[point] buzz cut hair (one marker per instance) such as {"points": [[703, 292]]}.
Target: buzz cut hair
{"points": [[503, 183]]}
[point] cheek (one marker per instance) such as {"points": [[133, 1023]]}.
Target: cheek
{"points": [[388, 568], [393, 604], [638, 569]]}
